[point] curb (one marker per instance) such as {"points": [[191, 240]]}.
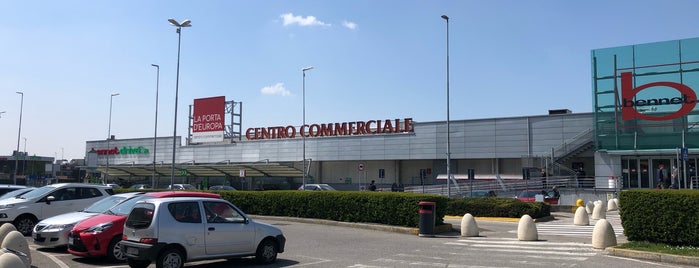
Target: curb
{"points": [[653, 256], [444, 228]]}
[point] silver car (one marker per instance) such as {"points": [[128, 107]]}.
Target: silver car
{"points": [[172, 231], [53, 232]]}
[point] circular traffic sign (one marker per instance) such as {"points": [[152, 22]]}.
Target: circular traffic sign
{"points": [[360, 167]]}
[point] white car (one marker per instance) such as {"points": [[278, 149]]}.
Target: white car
{"points": [[54, 231], [48, 201], [172, 231]]}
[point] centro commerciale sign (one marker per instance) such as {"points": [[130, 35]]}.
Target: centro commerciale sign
{"points": [[123, 150]]}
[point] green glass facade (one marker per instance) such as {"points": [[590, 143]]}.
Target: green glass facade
{"points": [[644, 96]]}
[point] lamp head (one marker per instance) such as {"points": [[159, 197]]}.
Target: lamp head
{"points": [[186, 23], [307, 68], [115, 94], [445, 17], [155, 65], [20, 93]]}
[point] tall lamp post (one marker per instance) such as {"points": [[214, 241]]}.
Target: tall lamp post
{"points": [[185, 23], [303, 136], [19, 133], [448, 130], [155, 135], [109, 136]]}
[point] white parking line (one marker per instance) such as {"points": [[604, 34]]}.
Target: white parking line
{"points": [[54, 259]]}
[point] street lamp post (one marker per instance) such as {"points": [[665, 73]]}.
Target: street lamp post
{"points": [[24, 157], [448, 130], [19, 133], [105, 179], [303, 136], [155, 135], [185, 23]]}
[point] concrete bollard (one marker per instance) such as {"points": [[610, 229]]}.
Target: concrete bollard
{"points": [[10, 260], [581, 217], [589, 207], [15, 241], [616, 200], [603, 235], [526, 230], [600, 211], [469, 227], [5, 229], [611, 205]]}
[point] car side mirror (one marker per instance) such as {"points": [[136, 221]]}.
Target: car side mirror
{"points": [[50, 199]]}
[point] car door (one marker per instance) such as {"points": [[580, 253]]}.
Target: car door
{"points": [[64, 202], [227, 230]]}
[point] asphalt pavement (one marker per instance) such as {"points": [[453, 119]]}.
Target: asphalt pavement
{"points": [[558, 227]]}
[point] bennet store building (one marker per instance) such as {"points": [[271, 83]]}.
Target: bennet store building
{"points": [[644, 114]]}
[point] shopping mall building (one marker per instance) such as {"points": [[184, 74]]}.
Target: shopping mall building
{"points": [[644, 115]]}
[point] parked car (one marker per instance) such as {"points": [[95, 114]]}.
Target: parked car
{"points": [[48, 201], [181, 187], [222, 187], [317, 187], [53, 232], [113, 185], [98, 236], [6, 188], [163, 231], [530, 196], [16, 193], [480, 194], [141, 186]]}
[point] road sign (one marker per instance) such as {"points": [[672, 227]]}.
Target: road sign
{"points": [[183, 172], [685, 153], [242, 173], [360, 167]]}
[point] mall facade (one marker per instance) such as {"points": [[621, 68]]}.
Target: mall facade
{"points": [[644, 115]]}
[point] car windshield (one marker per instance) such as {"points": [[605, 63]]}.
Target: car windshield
{"points": [[15, 193], [527, 194], [125, 207], [38, 192], [104, 204], [326, 187]]}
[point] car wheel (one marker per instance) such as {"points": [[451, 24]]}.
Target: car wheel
{"points": [[114, 252], [137, 263], [25, 224], [266, 252], [170, 258]]}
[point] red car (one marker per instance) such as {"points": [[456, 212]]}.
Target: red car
{"points": [[530, 196], [100, 235]]}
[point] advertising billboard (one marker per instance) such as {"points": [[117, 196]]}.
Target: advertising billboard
{"points": [[208, 120]]}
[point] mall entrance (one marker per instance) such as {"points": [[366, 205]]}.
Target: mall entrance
{"points": [[640, 172]]}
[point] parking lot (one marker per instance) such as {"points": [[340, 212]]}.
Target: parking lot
{"points": [[323, 245]]}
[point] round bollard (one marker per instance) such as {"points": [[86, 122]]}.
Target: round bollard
{"points": [[616, 200], [603, 235], [5, 229], [589, 207], [581, 217], [469, 227], [600, 211], [526, 230], [611, 205], [579, 202], [11, 260], [15, 241]]}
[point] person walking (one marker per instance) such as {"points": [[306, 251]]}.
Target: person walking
{"points": [[372, 186], [661, 177]]}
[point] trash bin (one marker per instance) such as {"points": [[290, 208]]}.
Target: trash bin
{"points": [[427, 218]]}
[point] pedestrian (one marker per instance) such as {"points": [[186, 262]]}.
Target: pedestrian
{"points": [[394, 187], [556, 194], [372, 186], [660, 177], [674, 175]]}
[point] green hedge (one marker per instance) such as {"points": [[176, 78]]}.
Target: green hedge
{"points": [[391, 208], [661, 216], [497, 207]]}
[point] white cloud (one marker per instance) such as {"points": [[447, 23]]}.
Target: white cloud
{"points": [[350, 25], [290, 19], [276, 89]]}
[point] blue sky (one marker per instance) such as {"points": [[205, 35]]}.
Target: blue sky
{"points": [[373, 60]]}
